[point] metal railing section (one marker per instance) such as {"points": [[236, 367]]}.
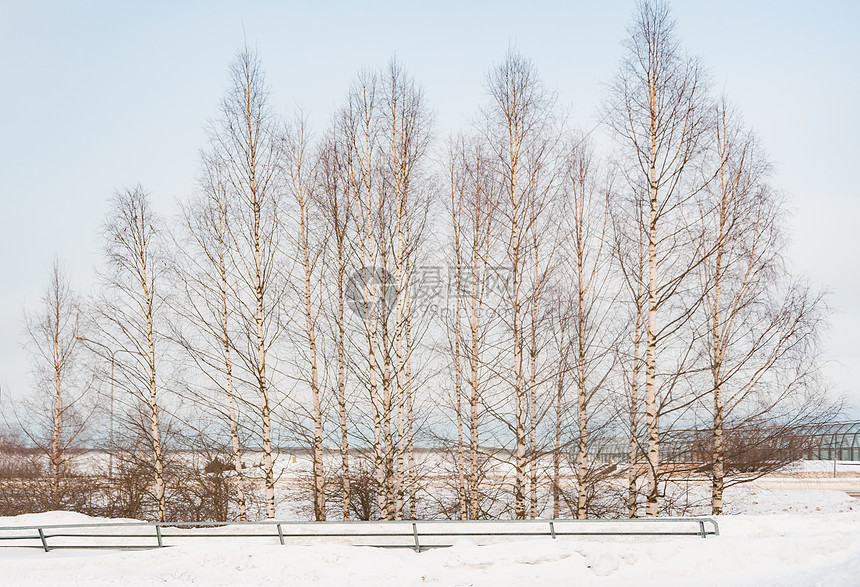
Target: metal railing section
{"points": [[386, 534]]}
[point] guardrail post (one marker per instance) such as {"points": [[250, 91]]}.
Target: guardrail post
{"points": [[415, 534], [552, 529], [280, 535], [158, 535], [44, 540], [702, 528]]}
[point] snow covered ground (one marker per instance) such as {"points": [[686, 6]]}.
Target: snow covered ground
{"points": [[796, 537]]}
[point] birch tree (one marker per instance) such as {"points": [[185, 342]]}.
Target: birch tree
{"points": [[206, 274], [518, 130], [588, 254], [629, 250], [243, 139], [335, 209], [302, 180], [385, 128], [563, 342], [478, 216], [657, 113], [456, 181], [471, 201], [359, 129], [54, 331], [762, 323], [128, 311], [407, 121]]}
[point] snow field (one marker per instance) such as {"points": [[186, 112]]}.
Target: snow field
{"points": [[784, 537]]}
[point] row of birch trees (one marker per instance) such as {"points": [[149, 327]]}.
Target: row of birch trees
{"points": [[525, 299]]}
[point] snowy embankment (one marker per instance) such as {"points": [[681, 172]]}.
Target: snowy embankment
{"points": [[767, 547]]}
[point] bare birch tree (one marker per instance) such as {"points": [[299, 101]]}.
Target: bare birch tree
{"points": [[518, 132], [407, 121], [471, 202], [301, 173], [127, 314], [384, 131], [335, 209], [54, 331], [629, 250], [456, 181], [657, 112], [563, 342], [206, 274], [358, 127], [763, 324], [243, 139], [588, 254]]}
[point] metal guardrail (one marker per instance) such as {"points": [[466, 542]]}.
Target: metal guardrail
{"points": [[405, 533]]}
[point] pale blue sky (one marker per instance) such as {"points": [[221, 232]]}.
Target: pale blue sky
{"points": [[98, 95]]}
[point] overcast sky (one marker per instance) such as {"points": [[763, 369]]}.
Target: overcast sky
{"points": [[95, 96]]}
